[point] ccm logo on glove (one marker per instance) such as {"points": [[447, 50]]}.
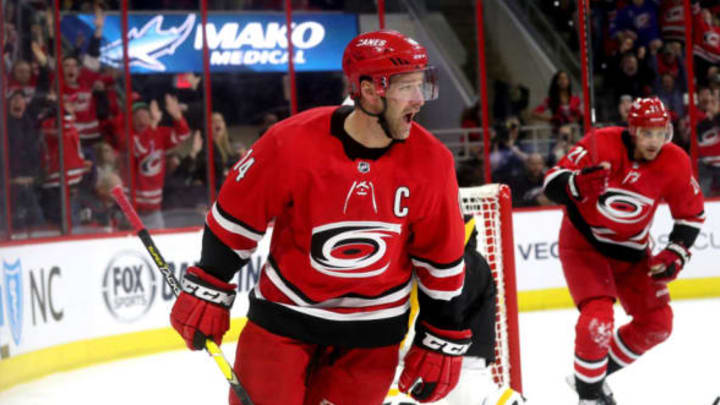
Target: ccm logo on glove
{"points": [[444, 346]]}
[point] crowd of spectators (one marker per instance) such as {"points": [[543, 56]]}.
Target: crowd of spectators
{"points": [[525, 142], [638, 50], [66, 153]]}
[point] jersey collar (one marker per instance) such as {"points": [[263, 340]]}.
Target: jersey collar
{"points": [[353, 149], [629, 146]]}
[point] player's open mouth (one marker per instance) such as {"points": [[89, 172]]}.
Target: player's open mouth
{"points": [[408, 117]]}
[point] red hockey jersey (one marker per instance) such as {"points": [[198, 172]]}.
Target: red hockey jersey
{"points": [[618, 223], [706, 38], [149, 148], [86, 120], [74, 163], [708, 132], [672, 20], [352, 227]]}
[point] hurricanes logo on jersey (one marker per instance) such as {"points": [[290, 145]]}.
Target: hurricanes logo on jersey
{"points": [[353, 249], [642, 20], [623, 206], [152, 164], [674, 14], [711, 38]]}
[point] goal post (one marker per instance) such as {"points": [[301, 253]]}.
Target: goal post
{"points": [[491, 205]]}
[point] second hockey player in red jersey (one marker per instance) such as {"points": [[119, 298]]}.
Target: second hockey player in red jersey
{"points": [[611, 183], [363, 200]]}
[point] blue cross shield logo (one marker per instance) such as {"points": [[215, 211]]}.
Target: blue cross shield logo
{"points": [[12, 280]]}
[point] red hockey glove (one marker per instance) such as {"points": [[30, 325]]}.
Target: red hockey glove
{"points": [[666, 265], [202, 309], [588, 183], [433, 363]]}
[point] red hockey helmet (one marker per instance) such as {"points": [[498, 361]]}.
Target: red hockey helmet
{"points": [[649, 113], [380, 54]]}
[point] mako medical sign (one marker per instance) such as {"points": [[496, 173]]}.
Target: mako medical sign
{"points": [[253, 42]]}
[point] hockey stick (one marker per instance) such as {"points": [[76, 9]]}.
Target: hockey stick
{"points": [[210, 346]]}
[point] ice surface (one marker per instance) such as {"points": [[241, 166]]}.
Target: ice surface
{"points": [[682, 371]]}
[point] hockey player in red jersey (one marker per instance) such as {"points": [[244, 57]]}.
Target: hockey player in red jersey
{"points": [[610, 196], [364, 201]]}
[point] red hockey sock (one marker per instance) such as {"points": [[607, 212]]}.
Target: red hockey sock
{"points": [[593, 333], [645, 331]]}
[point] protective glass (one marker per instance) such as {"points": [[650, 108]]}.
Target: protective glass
{"points": [[414, 86]]}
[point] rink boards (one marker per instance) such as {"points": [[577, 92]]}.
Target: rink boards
{"points": [[67, 304]]}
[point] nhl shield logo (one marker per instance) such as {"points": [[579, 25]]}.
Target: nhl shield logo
{"points": [[363, 167], [12, 280]]}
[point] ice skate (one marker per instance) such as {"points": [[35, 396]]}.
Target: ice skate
{"points": [[606, 394]]}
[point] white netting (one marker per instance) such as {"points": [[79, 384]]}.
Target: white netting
{"points": [[484, 204]]}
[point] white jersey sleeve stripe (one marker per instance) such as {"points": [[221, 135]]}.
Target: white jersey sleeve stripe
{"points": [[557, 172], [440, 272], [438, 294], [233, 227]]}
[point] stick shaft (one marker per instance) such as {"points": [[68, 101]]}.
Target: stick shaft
{"points": [[210, 347]]}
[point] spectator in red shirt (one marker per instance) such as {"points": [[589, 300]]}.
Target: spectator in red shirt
{"points": [[80, 83], [149, 146], [706, 42], [561, 106], [672, 20], [708, 133]]}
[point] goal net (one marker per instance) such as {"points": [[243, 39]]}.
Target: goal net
{"points": [[491, 205]]}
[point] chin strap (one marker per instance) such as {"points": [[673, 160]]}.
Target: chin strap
{"points": [[380, 117]]}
